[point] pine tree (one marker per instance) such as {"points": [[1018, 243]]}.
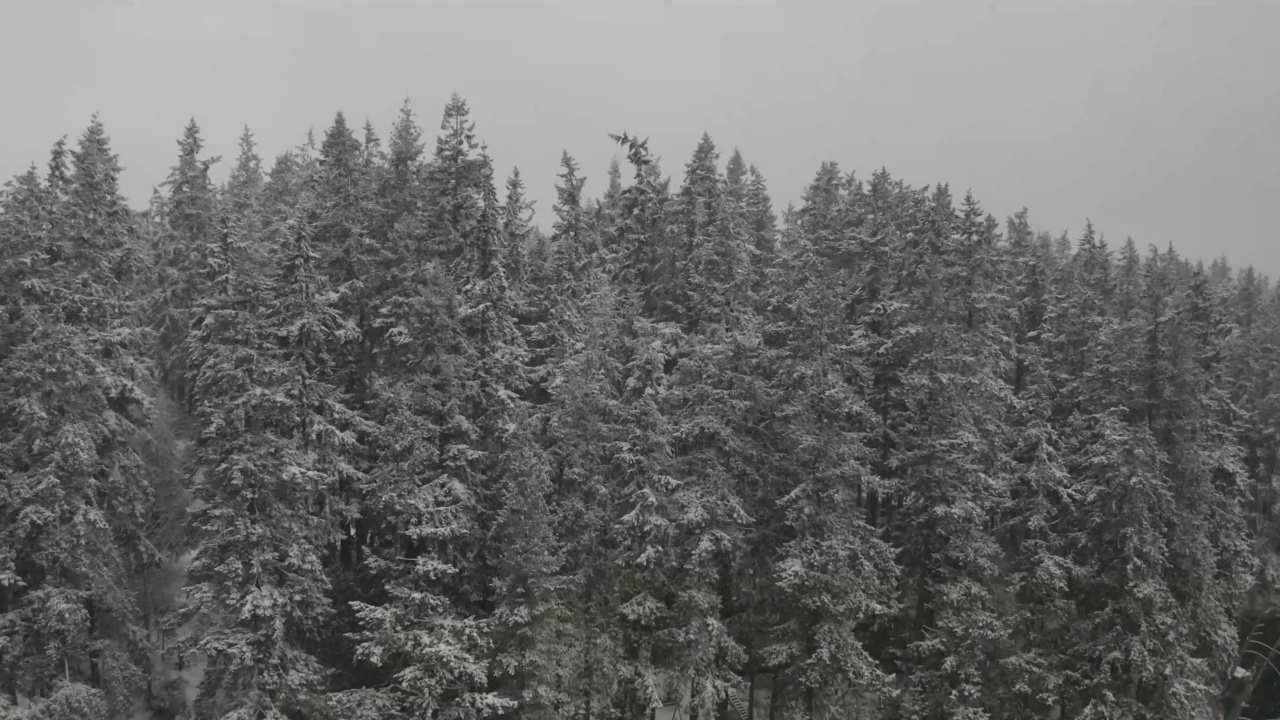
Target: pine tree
{"points": [[613, 190], [400, 193], [638, 244], [526, 582], [570, 239], [344, 216], [761, 226], [190, 229], [1128, 280], [643, 515], [275, 446], [454, 190], [517, 228], [713, 280], [74, 399], [242, 212], [834, 578], [942, 460], [448, 452], [736, 178], [244, 187], [191, 197]]}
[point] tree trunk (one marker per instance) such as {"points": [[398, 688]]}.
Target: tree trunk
{"points": [[1232, 707], [95, 655], [693, 708], [775, 697]]}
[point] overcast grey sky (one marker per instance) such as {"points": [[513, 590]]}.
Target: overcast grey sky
{"points": [[1155, 119]]}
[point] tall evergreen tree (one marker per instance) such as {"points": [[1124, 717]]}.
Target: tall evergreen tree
{"points": [[570, 239], [74, 400], [191, 221], [613, 190], [275, 446], [454, 191], [517, 228]]}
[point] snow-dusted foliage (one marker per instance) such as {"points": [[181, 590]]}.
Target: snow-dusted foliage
{"points": [[352, 437]]}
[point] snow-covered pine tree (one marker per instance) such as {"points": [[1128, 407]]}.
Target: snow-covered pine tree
{"points": [[517, 229], [190, 227], [75, 397], [276, 444]]}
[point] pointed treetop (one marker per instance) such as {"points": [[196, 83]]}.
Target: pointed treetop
{"points": [[95, 170], [339, 121], [706, 147], [340, 149], [190, 167], [516, 205], [1018, 230], [405, 145], [58, 172], [941, 199], [458, 137], [190, 143], [569, 230], [248, 163], [516, 228], [372, 144], [614, 188], [569, 164], [455, 109], [1129, 250], [736, 169], [191, 193], [735, 175], [760, 216], [246, 177], [1090, 238], [20, 197], [703, 167], [881, 185], [492, 256], [824, 190], [568, 190]]}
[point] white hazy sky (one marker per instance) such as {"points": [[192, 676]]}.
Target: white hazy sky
{"points": [[1156, 119]]}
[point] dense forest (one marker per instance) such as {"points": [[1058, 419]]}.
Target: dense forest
{"points": [[350, 437]]}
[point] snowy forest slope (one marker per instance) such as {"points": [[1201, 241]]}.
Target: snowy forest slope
{"points": [[349, 437]]}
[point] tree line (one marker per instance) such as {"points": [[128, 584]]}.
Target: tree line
{"points": [[356, 439]]}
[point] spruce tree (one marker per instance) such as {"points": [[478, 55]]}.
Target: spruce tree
{"points": [[275, 446], [75, 399], [517, 228], [190, 228]]}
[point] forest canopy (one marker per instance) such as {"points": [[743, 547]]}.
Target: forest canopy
{"points": [[349, 436]]}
